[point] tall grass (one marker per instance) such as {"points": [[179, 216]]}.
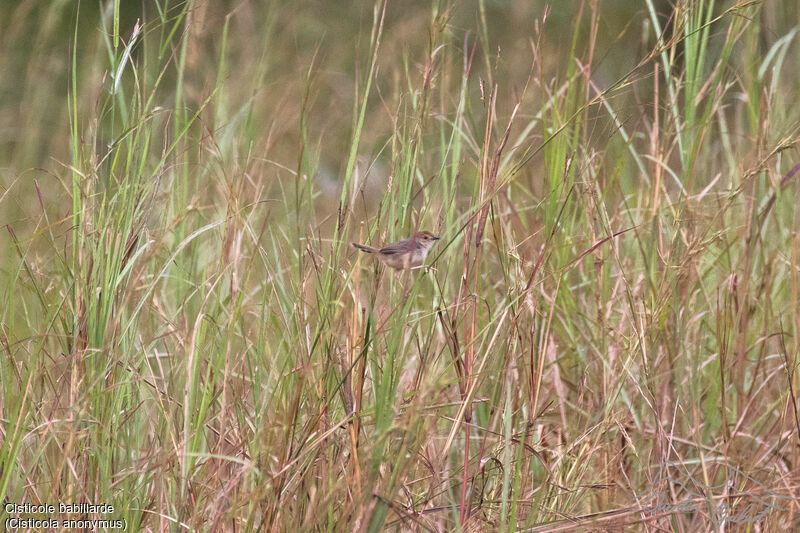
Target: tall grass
{"points": [[606, 337]]}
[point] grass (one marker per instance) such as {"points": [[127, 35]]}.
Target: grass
{"points": [[607, 340]]}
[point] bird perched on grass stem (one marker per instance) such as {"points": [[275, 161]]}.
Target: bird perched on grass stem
{"points": [[405, 254]]}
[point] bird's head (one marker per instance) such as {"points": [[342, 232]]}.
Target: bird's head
{"points": [[425, 238]]}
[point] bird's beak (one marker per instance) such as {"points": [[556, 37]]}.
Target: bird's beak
{"points": [[436, 238]]}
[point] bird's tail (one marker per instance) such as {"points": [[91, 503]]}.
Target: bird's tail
{"points": [[368, 249]]}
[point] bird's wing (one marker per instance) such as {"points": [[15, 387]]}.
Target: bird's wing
{"points": [[396, 247]]}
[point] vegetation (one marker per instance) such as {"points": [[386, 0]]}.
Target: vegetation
{"points": [[608, 335]]}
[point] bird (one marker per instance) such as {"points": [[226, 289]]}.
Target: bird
{"points": [[403, 255]]}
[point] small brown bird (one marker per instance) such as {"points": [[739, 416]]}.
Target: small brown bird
{"points": [[405, 254]]}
